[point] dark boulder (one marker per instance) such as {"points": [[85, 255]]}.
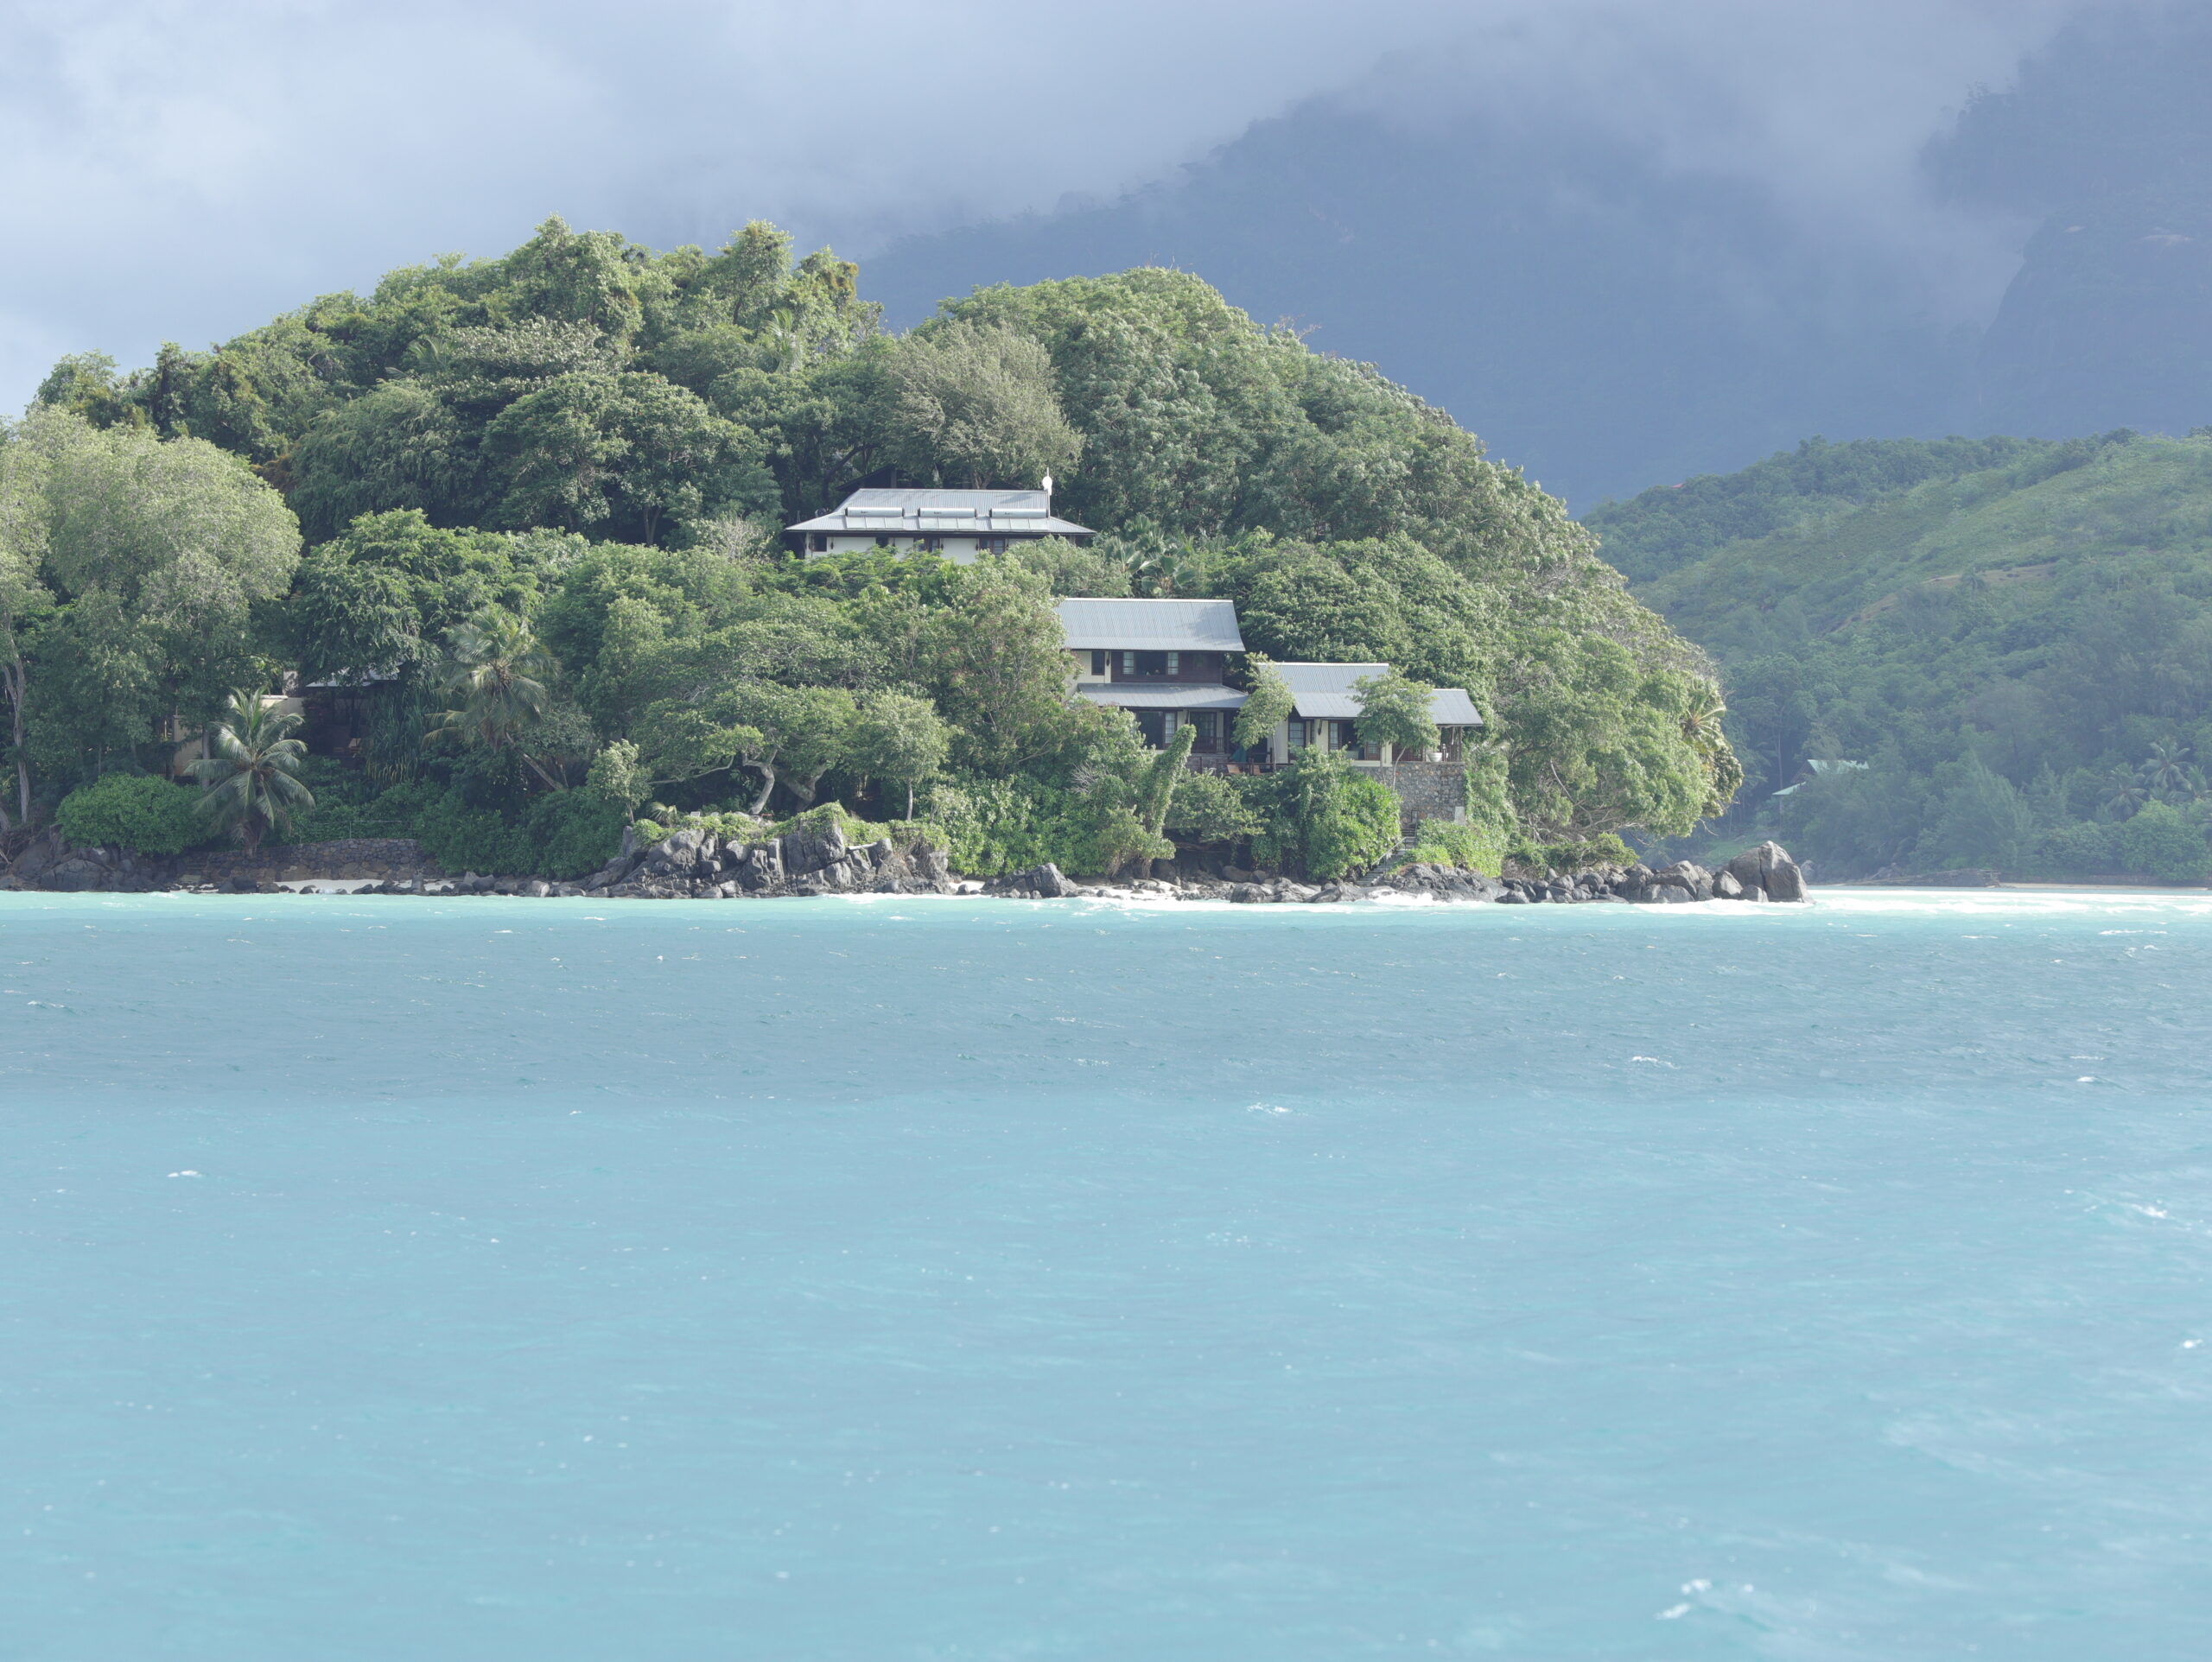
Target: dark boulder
{"points": [[1770, 869], [76, 872], [684, 854], [811, 846], [1043, 882]]}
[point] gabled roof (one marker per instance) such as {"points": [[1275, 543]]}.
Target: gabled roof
{"points": [[1325, 691], [1164, 696], [1151, 626], [941, 513]]}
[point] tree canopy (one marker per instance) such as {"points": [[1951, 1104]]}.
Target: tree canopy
{"points": [[541, 495]]}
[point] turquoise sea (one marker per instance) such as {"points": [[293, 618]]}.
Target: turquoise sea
{"points": [[899, 1279]]}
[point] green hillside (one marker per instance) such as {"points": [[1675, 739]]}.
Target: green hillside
{"points": [[1669, 526], [531, 505], [2021, 655]]}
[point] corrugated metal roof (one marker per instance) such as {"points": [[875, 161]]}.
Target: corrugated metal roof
{"points": [[1325, 692], [1165, 698], [990, 513], [1151, 625], [1450, 706], [1328, 707], [1327, 677]]}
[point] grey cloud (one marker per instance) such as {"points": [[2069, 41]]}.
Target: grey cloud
{"points": [[183, 171]]}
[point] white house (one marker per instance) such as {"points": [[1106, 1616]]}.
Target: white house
{"points": [[959, 525], [1326, 709]]}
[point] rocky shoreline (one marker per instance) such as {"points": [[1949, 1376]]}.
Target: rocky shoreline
{"points": [[818, 860]]}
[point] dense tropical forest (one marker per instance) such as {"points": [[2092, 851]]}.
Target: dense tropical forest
{"points": [[1965, 653], [529, 507]]}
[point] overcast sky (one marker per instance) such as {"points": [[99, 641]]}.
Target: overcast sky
{"points": [[184, 169]]}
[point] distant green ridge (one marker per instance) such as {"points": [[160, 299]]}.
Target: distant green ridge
{"points": [[1669, 526], [2015, 648]]}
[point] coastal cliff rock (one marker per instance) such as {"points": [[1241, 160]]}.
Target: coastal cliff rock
{"points": [[1043, 882], [1769, 869], [814, 857]]}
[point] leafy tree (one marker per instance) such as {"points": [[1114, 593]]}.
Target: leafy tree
{"points": [[399, 446], [372, 599], [252, 781], [25, 597], [1211, 807], [1069, 570], [996, 661], [975, 406], [132, 810], [678, 741], [2161, 843], [619, 774], [130, 568], [1324, 814], [1985, 821], [627, 452], [1393, 710], [1267, 705], [900, 739]]}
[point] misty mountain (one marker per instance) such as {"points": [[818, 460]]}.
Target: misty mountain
{"points": [[1612, 321], [1598, 321], [2106, 140]]}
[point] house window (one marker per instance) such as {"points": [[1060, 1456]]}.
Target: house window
{"points": [[1098, 664], [1301, 733], [990, 545], [1147, 663], [882, 542], [929, 544], [818, 542], [1174, 664], [1342, 736]]}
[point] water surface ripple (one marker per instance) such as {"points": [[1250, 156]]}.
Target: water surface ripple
{"points": [[906, 1280]]}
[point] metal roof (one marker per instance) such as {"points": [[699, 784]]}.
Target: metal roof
{"points": [[1165, 698], [937, 513], [1151, 625], [1325, 692]]}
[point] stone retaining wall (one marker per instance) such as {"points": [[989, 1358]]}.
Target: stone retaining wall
{"points": [[1426, 790]]}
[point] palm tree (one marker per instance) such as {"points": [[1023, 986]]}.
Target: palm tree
{"points": [[2166, 771], [252, 781], [2125, 792], [1701, 713], [495, 671]]}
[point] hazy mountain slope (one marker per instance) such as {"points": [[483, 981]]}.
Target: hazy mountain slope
{"points": [[2105, 138], [2016, 649], [1602, 322], [1669, 526], [1613, 324]]}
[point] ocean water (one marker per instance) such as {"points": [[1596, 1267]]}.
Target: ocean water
{"points": [[898, 1279]]}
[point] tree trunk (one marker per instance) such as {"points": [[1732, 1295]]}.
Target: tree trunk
{"points": [[13, 681], [767, 788]]}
